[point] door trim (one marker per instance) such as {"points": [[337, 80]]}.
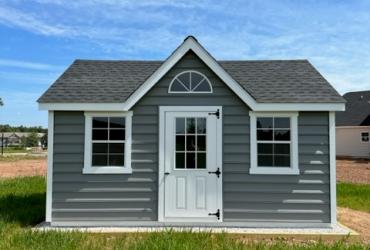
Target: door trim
{"points": [[162, 130]]}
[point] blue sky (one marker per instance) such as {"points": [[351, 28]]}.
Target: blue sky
{"points": [[40, 38]]}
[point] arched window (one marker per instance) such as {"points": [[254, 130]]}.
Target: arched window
{"points": [[190, 82]]}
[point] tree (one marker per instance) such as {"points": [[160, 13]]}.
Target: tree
{"points": [[31, 140], [1, 102]]}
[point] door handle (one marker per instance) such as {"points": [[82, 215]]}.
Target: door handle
{"points": [[166, 173], [217, 172]]}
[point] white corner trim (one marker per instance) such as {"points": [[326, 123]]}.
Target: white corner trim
{"points": [[83, 106], [49, 177], [294, 169], [126, 169], [333, 179], [190, 91]]}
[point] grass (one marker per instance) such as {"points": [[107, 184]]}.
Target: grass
{"points": [[22, 202], [15, 150], [354, 196]]}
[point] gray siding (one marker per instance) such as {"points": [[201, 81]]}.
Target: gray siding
{"points": [[247, 198]]}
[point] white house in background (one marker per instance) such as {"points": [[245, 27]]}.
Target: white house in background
{"points": [[353, 126]]}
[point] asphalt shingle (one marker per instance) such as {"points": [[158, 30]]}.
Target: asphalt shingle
{"points": [[275, 81]]}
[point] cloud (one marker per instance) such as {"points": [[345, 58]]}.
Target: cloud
{"points": [[28, 65]]}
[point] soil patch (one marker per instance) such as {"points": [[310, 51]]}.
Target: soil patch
{"points": [[353, 171], [356, 220], [29, 167]]}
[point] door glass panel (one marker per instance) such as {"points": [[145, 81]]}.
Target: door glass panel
{"points": [[190, 143]]}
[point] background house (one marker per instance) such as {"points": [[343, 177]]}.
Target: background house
{"points": [[14, 139], [353, 126]]}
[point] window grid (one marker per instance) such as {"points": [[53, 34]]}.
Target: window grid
{"points": [[273, 141], [180, 85], [186, 134], [108, 141], [365, 137]]}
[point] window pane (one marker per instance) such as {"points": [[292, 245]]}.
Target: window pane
{"points": [[201, 142], [100, 148], [203, 87], [281, 161], [190, 143], [100, 134], [100, 122], [190, 160], [116, 160], [264, 135], [282, 135], [117, 134], [180, 125], [190, 125], [264, 148], [265, 160], [180, 160], [117, 148], [195, 79], [180, 143], [365, 137], [117, 122], [99, 160], [282, 149], [201, 125], [185, 79], [177, 86], [282, 122], [201, 160], [264, 122]]}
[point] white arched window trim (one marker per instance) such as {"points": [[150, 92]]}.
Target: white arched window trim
{"points": [[205, 78]]}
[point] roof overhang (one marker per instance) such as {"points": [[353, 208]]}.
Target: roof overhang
{"points": [[190, 43]]}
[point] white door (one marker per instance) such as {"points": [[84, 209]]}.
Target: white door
{"points": [[192, 170]]}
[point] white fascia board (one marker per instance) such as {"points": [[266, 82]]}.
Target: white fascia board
{"points": [[300, 107], [189, 44], [83, 106]]}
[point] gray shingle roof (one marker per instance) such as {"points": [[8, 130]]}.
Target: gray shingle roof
{"points": [[281, 81], [357, 110]]}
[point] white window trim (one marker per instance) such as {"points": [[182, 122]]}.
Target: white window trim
{"points": [[362, 141], [190, 91], [126, 169], [294, 168]]}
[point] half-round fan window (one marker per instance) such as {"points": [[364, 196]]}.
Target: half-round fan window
{"points": [[190, 82]]}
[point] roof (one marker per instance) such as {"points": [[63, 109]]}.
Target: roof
{"points": [[276, 81], [265, 81], [357, 110]]}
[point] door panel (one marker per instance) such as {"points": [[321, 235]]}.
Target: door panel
{"points": [[191, 192]]}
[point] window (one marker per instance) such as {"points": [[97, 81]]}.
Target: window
{"points": [[191, 140], [190, 82], [274, 143], [107, 143], [364, 136]]}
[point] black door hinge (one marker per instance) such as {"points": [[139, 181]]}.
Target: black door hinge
{"points": [[217, 172], [217, 214], [217, 113]]}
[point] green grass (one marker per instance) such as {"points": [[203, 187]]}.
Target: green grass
{"points": [[15, 150], [354, 196], [22, 202]]}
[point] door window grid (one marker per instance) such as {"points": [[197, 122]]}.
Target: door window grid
{"points": [[190, 146], [108, 141], [273, 142]]}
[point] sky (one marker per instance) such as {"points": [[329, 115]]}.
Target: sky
{"points": [[39, 39]]}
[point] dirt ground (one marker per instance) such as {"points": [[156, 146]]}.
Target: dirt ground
{"points": [[354, 171], [356, 220], [29, 167]]}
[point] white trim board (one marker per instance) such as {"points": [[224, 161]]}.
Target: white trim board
{"points": [[49, 176], [332, 160], [191, 43]]}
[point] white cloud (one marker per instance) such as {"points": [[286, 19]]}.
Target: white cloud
{"points": [[28, 65]]}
